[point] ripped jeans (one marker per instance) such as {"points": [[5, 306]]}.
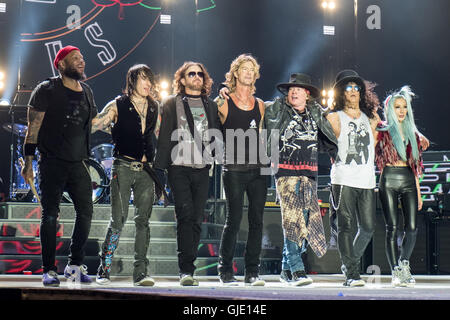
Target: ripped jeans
{"points": [[292, 252], [124, 180]]}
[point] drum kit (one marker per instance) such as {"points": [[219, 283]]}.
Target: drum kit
{"points": [[99, 165]]}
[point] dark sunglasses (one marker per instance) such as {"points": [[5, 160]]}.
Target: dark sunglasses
{"points": [[193, 74], [349, 88]]}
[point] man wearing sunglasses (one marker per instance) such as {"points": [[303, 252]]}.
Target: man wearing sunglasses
{"points": [[187, 119], [353, 180]]}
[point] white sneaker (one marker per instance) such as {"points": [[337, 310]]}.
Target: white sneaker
{"points": [[145, 282], [254, 280], [396, 278], [354, 283], [299, 278], [102, 281]]}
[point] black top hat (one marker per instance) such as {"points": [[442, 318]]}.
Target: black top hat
{"points": [[299, 80], [346, 76]]}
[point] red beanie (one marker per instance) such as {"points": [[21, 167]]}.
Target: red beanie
{"points": [[62, 53]]}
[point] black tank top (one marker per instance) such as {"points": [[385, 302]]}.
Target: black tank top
{"points": [[245, 151]]}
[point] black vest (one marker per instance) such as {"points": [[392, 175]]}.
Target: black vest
{"points": [[127, 132]]}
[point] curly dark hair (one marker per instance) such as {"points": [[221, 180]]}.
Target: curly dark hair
{"points": [[369, 103], [178, 87]]}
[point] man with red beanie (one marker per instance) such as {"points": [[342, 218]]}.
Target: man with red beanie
{"points": [[59, 123]]}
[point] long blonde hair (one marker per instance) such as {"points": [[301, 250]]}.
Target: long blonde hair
{"points": [[230, 79]]}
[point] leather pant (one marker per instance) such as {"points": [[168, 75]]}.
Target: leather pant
{"points": [[395, 183], [355, 210]]}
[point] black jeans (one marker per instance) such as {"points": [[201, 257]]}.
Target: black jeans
{"points": [[190, 190], [56, 176], [395, 183], [236, 183], [356, 208]]}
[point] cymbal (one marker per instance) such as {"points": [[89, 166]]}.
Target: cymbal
{"points": [[18, 129]]}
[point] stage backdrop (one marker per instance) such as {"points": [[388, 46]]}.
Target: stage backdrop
{"points": [[391, 43]]}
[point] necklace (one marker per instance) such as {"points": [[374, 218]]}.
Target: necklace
{"points": [[245, 105], [351, 110], [140, 108]]}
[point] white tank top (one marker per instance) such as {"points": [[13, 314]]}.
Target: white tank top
{"points": [[354, 165]]}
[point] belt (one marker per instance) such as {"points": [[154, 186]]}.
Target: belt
{"points": [[133, 165]]}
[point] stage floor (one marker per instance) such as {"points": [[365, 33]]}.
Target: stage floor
{"points": [[324, 287]]}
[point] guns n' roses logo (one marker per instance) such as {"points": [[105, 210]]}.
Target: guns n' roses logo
{"points": [[106, 31], [104, 35]]}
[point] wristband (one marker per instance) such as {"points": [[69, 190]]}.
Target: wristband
{"points": [[29, 149]]}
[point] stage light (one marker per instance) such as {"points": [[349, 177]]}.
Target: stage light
{"points": [[331, 93], [164, 84], [164, 94], [324, 93], [2, 7], [329, 30], [328, 5], [4, 102], [2, 80], [165, 19]]}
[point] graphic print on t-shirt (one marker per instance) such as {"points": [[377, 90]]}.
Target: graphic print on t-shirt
{"points": [[358, 144]]}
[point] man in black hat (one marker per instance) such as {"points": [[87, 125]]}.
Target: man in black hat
{"points": [[353, 180], [297, 119]]}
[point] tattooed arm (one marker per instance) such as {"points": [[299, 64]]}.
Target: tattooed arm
{"points": [[222, 106], [35, 119], [105, 119]]}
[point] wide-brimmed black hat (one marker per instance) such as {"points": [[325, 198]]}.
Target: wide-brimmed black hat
{"points": [[299, 80], [346, 76]]}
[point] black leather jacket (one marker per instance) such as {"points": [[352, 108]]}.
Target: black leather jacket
{"points": [[278, 114]]}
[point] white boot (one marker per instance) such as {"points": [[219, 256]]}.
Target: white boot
{"points": [[396, 277], [406, 276]]}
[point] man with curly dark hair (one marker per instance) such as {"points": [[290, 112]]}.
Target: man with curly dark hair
{"points": [[353, 180]]}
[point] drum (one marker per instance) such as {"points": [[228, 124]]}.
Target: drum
{"points": [[100, 181], [103, 154], [102, 151]]}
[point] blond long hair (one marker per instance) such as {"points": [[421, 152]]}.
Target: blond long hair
{"points": [[230, 79], [178, 87]]}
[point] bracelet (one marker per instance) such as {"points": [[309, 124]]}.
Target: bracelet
{"points": [[29, 149]]}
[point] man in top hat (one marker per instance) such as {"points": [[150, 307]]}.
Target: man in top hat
{"points": [[59, 125], [354, 123], [297, 120], [353, 180]]}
